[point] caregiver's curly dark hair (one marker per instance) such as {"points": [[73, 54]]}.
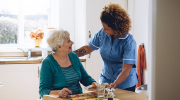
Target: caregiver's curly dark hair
{"points": [[117, 18]]}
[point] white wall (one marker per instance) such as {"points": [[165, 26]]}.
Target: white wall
{"points": [[52, 19], [150, 60], [67, 16], [80, 24], [165, 48], [138, 10], [72, 17]]}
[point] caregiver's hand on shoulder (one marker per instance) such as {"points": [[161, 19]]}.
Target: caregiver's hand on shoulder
{"points": [[113, 85], [64, 93]]}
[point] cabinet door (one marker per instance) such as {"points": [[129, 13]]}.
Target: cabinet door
{"points": [[20, 82], [93, 25]]}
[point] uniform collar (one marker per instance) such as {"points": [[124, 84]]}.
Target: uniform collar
{"points": [[124, 37]]}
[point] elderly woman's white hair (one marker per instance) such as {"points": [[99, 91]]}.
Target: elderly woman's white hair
{"points": [[57, 37]]}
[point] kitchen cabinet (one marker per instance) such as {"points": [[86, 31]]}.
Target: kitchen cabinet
{"points": [[20, 81], [93, 25]]}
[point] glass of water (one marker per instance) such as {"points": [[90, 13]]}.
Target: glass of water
{"points": [[100, 91]]}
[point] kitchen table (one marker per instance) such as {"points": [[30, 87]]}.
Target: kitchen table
{"points": [[120, 94]]}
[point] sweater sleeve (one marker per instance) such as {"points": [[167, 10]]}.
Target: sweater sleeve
{"points": [[45, 78], [85, 78]]}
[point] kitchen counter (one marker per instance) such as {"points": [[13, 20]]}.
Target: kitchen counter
{"points": [[28, 61], [21, 62]]}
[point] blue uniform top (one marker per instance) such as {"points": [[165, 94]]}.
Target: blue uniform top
{"points": [[115, 54]]}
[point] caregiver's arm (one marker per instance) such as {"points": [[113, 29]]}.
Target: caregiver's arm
{"points": [[83, 50], [122, 76]]}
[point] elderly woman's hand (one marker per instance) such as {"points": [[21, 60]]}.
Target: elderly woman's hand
{"points": [[94, 84], [64, 93]]}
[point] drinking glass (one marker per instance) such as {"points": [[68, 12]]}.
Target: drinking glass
{"points": [[100, 91]]}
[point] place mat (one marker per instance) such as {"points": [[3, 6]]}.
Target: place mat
{"points": [[87, 96]]}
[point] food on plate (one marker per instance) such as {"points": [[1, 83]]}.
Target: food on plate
{"points": [[95, 85], [106, 85]]}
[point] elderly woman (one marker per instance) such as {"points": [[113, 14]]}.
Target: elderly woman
{"points": [[61, 71]]}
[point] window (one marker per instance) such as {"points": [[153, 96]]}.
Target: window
{"points": [[19, 17]]}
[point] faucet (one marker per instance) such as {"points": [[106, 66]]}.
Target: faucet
{"points": [[28, 54]]}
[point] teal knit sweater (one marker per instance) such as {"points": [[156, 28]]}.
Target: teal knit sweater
{"points": [[52, 77]]}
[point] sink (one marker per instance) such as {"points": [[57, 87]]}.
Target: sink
{"points": [[18, 58]]}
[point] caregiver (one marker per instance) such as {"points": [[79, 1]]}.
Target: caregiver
{"points": [[117, 48]]}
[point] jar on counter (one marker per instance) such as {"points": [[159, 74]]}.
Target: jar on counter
{"points": [[110, 94]]}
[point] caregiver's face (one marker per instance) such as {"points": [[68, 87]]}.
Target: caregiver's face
{"points": [[109, 31]]}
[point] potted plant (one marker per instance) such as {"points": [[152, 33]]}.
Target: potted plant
{"points": [[37, 36]]}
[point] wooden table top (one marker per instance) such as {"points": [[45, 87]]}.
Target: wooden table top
{"points": [[120, 94]]}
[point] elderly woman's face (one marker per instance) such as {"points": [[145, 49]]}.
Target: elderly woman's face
{"points": [[67, 45], [108, 30]]}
